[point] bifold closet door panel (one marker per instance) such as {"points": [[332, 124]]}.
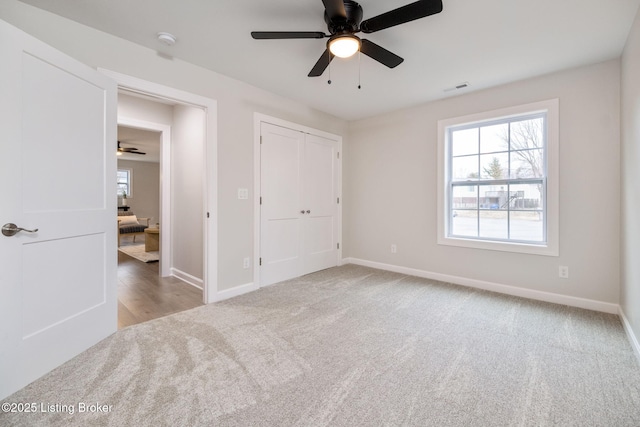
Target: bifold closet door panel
{"points": [[280, 214], [319, 249]]}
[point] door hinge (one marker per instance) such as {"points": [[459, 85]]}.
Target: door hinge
{"points": [[338, 154], [260, 199], [207, 214], [338, 200], [260, 139], [338, 245], [260, 263]]}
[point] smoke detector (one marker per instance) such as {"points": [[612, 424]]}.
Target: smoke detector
{"points": [[167, 39]]}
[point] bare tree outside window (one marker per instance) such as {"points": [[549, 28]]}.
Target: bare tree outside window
{"points": [[525, 140]]}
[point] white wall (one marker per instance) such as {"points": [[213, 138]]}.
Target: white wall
{"points": [[390, 187], [145, 201], [630, 295], [187, 172], [143, 109], [237, 102]]}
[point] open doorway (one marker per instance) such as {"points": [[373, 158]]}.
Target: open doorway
{"points": [[160, 152], [181, 229], [143, 293]]}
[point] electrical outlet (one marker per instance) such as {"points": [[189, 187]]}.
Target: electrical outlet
{"points": [[563, 272], [394, 249], [246, 263]]}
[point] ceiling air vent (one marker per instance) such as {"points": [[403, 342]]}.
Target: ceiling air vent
{"points": [[458, 86]]}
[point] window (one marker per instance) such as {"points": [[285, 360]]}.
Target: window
{"points": [[124, 182], [498, 180]]}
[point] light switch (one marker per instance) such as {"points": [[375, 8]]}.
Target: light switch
{"points": [[243, 193]]}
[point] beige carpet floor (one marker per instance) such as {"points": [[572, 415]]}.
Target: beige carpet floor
{"points": [[353, 346]]}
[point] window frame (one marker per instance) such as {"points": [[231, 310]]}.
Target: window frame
{"points": [[550, 196], [129, 182]]}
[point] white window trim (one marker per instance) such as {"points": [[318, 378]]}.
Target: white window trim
{"points": [[551, 247]]}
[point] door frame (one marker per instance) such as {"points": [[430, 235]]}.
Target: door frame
{"points": [[210, 159], [165, 190], [258, 119]]}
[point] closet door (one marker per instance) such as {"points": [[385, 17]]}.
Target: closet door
{"points": [[299, 208], [281, 154], [319, 242]]}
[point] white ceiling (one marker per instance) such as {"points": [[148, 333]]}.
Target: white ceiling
{"points": [[485, 43]]}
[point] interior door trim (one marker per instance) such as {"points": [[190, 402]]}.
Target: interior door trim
{"points": [[210, 177]]}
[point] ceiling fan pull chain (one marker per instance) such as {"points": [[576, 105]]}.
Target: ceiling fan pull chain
{"points": [[329, 81], [359, 55]]}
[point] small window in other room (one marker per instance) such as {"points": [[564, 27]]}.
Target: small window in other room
{"points": [[124, 183], [498, 180]]}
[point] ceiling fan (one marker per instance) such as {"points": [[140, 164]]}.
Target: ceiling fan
{"points": [[128, 150], [344, 20]]}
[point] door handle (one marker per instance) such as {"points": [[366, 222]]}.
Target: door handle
{"points": [[308, 211], [11, 229], [302, 212]]}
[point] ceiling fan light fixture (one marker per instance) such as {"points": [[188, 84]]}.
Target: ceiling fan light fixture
{"points": [[344, 45]]}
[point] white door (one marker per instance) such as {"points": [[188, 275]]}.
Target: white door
{"points": [[57, 166], [319, 245], [281, 206], [299, 206]]}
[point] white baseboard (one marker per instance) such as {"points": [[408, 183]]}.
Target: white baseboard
{"points": [[632, 337], [234, 292], [494, 287], [187, 278]]}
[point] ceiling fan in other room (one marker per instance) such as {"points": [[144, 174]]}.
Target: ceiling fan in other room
{"points": [[128, 150], [344, 20]]}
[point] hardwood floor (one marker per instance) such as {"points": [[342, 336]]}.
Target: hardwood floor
{"points": [[143, 295]]}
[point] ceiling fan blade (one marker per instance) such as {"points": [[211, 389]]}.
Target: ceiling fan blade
{"points": [[335, 10], [274, 35], [403, 14], [380, 54], [136, 152], [322, 64]]}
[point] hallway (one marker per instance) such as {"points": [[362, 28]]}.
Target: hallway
{"points": [[143, 295]]}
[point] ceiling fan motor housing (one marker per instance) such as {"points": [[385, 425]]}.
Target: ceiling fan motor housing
{"points": [[351, 25]]}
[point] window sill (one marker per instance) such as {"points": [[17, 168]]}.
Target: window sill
{"points": [[531, 249]]}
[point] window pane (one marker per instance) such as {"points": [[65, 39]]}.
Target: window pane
{"points": [[527, 164], [493, 197], [464, 197], [464, 142], [122, 189], [527, 226], [494, 138], [123, 182], [494, 166], [527, 134], [464, 223], [494, 224], [464, 168], [526, 196]]}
